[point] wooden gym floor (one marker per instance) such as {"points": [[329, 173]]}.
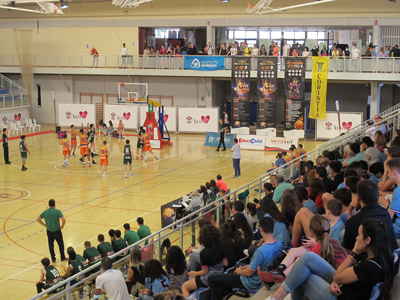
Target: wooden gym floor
{"points": [[92, 204]]}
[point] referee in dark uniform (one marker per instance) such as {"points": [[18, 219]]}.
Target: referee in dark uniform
{"points": [[5, 146]]}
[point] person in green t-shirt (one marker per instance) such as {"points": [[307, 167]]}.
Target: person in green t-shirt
{"points": [[111, 233], [49, 276], [74, 267], [144, 230], [104, 248], [119, 245], [23, 148], [92, 255], [78, 257], [130, 236], [128, 158], [52, 218]]}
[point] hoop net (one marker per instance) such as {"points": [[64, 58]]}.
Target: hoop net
{"points": [[249, 7], [132, 93]]}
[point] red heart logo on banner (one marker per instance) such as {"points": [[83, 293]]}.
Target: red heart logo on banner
{"points": [[165, 118], [347, 125], [83, 114], [17, 117], [127, 115], [205, 119]]}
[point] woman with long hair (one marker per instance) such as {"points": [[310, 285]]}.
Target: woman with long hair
{"points": [[213, 260], [311, 175], [315, 192], [370, 262], [238, 240], [281, 232], [176, 266], [320, 243], [244, 227], [380, 141], [135, 271], [156, 280], [194, 257], [252, 211], [228, 244], [213, 186], [302, 194], [290, 205]]}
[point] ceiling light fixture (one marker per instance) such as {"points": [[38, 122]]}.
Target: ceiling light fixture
{"points": [[225, 1]]}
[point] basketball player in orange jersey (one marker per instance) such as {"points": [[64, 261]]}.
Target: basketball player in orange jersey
{"points": [[66, 151], [73, 140], [104, 153], [84, 145], [147, 146]]}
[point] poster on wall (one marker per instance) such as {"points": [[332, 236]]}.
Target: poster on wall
{"points": [[329, 128], [240, 92], [76, 114], [14, 115], [294, 96], [267, 86], [198, 119], [116, 112], [169, 116]]}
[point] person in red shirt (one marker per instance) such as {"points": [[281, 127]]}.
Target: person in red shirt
{"points": [[221, 184], [275, 51], [95, 57]]}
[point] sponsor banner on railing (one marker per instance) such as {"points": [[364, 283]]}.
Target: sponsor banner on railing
{"points": [[116, 112], [267, 86], [319, 87], [76, 114], [280, 144], [241, 130], [240, 91], [251, 142], [198, 119], [267, 132], [212, 139], [14, 115], [205, 63], [329, 128], [294, 93]]}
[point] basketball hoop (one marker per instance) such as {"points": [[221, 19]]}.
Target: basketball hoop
{"points": [[249, 7], [129, 102], [56, 7]]}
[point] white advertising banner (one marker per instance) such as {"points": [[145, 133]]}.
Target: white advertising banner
{"points": [[329, 128], [76, 114], [293, 133], [14, 114], [169, 116], [251, 142], [267, 132], [116, 112], [155, 144], [198, 119], [280, 144], [241, 130]]}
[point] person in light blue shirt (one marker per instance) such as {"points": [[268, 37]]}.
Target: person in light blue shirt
{"points": [[236, 156], [156, 280], [281, 185], [246, 277], [333, 212], [357, 155], [394, 206], [302, 194], [280, 160]]}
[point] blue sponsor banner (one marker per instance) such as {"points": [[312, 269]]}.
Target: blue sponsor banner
{"points": [[205, 63], [212, 139]]}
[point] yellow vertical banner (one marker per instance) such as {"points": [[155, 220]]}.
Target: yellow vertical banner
{"points": [[319, 87]]}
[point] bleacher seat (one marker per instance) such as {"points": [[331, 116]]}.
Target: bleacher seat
{"points": [[396, 254], [376, 291], [200, 294]]}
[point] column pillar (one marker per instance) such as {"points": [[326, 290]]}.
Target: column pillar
{"points": [[374, 105], [376, 36], [210, 35]]}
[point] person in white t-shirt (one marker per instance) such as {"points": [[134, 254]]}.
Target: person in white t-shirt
{"points": [[209, 48], [255, 51], [124, 54], [285, 49], [355, 54], [233, 51]]}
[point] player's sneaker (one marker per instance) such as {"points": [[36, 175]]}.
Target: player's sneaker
{"points": [[126, 176], [66, 163], [83, 165], [95, 154], [23, 168], [90, 165], [141, 156], [155, 157], [80, 159], [130, 174], [93, 162], [146, 158], [137, 157], [98, 173], [104, 175], [73, 154]]}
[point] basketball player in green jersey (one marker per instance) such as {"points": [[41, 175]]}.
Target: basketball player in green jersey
{"points": [[140, 144], [74, 267], [128, 158], [92, 145], [23, 148], [49, 276]]}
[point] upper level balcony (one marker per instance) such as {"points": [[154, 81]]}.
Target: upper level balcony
{"points": [[344, 68]]}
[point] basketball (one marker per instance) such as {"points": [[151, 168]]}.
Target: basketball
{"points": [[122, 84]]}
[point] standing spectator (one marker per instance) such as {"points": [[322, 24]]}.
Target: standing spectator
{"points": [[144, 230], [178, 56], [271, 48], [111, 282], [209, 48], [5, 146], [241, 48], [314, 51], [332, 48], [373, 55], [255, 51], [226, 119], [395, 53], [146, 54], [191, 50], [335, 63], [263, 51], [52, 218], [223, 51], [230, 47], [124, 54], [355, 55], [324, 51], [295, 52], [222, 133], [285, 49], [95, 57], [233, 50], [236, 157], [347, 52], [382, 64], [221, 184], [163, 53], [247, 50], [275, 52]]}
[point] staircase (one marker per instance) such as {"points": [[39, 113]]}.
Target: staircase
{"points": [[12, 94]]}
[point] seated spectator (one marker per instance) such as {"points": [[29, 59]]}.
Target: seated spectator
{"points": [[364, 165], [281, 186], [110, 129], [176, 266], [355, 277], [301, 226], [194, 204], [393, 166], [330, 157], [380, 141], [247, 276], [302, 195], [212, 259], [205, 195], [252, 212], [272, 180], [119, 244], [228, 244], [213, 186], [269, 194], [386, 185], [349, 172], [363, 175], [308, 166], [135, 277], [156, 280], [280, 161], [315, 192], [92, 255], [357, 155], [111, 233], [49, 276], [338, 156], [298, 175], [74, 267], [238, 240], [301, 150], [376, 171], [104, 248], [120, 128], [333, 212], [367, 199], [344, 195], [238, 207], [78, 257], [130, 236], [320, 243], [144, 230], [280, 232], [290, 205], [243, 225], [194, 258], [221, 184], [330, 185], [348, 155], [351, 184], [336, 172], [367, 147]]}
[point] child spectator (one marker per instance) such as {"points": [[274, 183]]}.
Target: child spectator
{"points": [[176, 267], [333, 212]]}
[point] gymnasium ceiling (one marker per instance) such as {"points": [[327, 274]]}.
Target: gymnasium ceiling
{"points": [[194, 9]]}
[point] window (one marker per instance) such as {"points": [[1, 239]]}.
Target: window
{"points": [[288, 34], [230, 34], [251, 43], [321, 35], [300, 35], [276, 35], [251, 34], [264, 34], [160, 33], [312, 35], [240, 34]]}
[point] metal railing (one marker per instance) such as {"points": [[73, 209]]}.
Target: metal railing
{"points": [[16, 96], [171, 62], [183, 231]]}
